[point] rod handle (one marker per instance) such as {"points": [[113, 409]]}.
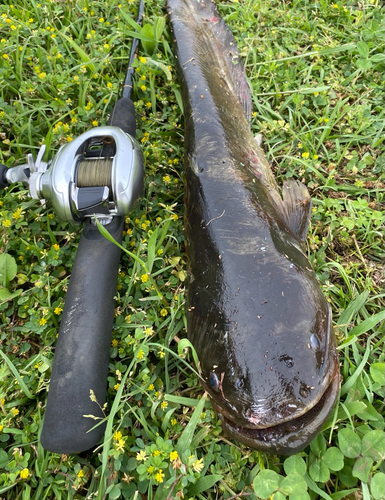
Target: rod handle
{"points": [[83, 347], [123, 116], [3, 179]]}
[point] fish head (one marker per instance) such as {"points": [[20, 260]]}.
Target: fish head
{"points": [[272, 372]]}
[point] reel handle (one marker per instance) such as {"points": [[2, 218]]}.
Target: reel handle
{"points": [[83, 347], [123, 116], [3, 179]]}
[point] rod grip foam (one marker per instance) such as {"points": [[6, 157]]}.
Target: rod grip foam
{"points": [[3, 180], [123, 116], [83, 346]]}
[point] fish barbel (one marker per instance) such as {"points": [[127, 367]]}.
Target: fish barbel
{"points": [[255, 312]]}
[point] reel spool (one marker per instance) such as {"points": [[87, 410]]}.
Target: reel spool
{"points": [[92, 173], [99, 173]]}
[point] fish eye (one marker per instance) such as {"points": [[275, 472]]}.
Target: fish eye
{"points": [[314, 342], [214, 381], [239, 384]]}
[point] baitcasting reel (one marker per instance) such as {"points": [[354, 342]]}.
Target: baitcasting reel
{"points": [[98, 173]]}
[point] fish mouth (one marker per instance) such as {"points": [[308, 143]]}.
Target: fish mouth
{"points": [[288, 437]]}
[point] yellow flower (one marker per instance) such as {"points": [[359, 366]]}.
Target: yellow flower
{"points": [[43, 321], [315, 157], [109, 85], [80, 473], [57, 310], [144, 278], [166, 179], [1, 428], [305, 154], [143, 87], [142, 59], [117, 435], [174, 217], [140, 354], [24, 473], [101, 20], [42, 75], [69, 139], [173, 455], [300, 145], [116, 386], [161, 354], [173, 421], [141, 456], [150, 470], [163, 405], [156, 453], [120, 444], [159, 477], [114, 342], [6, 223], [56, 246], [198, 465], [151, 387], [15, 411], [95, 123], [163, 312], [5, 56]]}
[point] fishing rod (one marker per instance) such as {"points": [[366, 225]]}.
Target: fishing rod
{"points": [[100, 173]]}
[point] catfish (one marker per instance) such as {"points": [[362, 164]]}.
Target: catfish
{"points": [[256, 314]]}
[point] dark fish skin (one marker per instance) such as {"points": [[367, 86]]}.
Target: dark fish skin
{"points": [[256, 314]]}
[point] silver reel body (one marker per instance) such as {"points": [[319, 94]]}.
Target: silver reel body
{"points": [[99, 173]]}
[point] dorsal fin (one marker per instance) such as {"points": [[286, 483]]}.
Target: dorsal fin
{"points": [[296, 207], [228, 49]]}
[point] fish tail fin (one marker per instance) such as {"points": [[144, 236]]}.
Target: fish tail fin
{"points": [[208, 19]]}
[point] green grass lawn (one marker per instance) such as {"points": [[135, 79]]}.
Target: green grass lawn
{"points": [[316, 72]]}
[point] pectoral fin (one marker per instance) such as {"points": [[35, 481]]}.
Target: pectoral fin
{"points": [[296, 207]]}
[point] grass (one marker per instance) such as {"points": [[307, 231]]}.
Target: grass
{"points": [[316, 73]]}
